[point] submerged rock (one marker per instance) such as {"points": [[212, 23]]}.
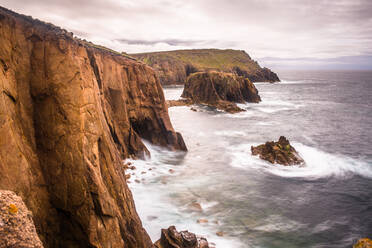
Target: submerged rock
{"points": [[280, 152], [17, 228], [220, 90], [171, 238], [363, 243]]}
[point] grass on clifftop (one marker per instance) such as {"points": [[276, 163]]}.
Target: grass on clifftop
{"points": [[223, 60]]}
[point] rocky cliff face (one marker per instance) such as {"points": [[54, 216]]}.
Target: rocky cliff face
{"points": [[173, 67], [69, 114], [17, 228], [219, 89]]}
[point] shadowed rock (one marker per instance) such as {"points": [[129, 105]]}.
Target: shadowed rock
{"points": [[219, 90], [280, 152], [170, 238], [16, 225]]}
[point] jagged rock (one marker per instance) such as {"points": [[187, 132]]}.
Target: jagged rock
{"points": [[70, 113], [17, 228], [363, 243], [180, 102], [173, 67], [280, 152], [170, 238], [220, 90], [263, 75]]}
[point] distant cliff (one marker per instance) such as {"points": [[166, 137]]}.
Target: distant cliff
{"points": [[173, 67], [70, 112]]}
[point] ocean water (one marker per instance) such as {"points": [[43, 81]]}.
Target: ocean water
{"points": [[327, 116]]}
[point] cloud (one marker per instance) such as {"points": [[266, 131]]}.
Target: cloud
{"points": [[264, 28], [337, 63], [171, 42]]}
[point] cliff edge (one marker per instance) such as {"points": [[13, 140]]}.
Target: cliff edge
{"points": [[70, 112], [173, 67]]}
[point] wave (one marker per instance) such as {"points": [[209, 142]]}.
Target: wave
{"points": [[319, 164], [154, 194]]}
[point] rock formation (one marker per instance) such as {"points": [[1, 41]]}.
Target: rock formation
{"points": [[170, 238], [220, 90], [174, 67], [70, 112], [280, 152], [363, 243], [16, 225]]}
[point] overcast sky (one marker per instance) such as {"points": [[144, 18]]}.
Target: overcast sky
{"points": [[276, 32]]}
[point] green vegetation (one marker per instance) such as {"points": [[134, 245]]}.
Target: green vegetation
{"points": [[204, 59]]}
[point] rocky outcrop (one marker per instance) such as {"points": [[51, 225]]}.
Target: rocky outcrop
{"points": [[170, 238], [173, 67], [70, 112], [363, 243], [262, 75], [17, 228], [220, 90], [280, 152]]}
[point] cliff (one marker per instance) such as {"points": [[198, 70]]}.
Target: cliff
{"points": [[173, 67], [70, 112]]}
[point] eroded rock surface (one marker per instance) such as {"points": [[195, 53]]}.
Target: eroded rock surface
{"points": [[363, 243], [17, 228], [220, 90], [70, 112], [280, 152], [171, 238]]}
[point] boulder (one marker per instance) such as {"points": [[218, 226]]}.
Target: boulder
{"points": [[17, 228], [280, 152], [171, 238], [220, 90], [363, 243]]}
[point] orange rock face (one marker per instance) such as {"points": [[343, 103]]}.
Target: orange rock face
{"points": [[219, 89], [69, 114]]}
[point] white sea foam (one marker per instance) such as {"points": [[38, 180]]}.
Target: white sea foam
{"points": [[230, 133], [153, 199], [318, 163], [277, 223]]}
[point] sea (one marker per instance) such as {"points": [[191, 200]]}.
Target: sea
{"points": [[220, 191]]}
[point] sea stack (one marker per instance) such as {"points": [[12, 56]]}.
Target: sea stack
{"points": [[280, 152], [221, 90]]}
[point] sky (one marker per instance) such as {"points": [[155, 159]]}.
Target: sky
{"points": [[280, 34]]}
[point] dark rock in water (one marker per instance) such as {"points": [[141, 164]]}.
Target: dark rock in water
{"points": [[363, 243], [220, 90], [171, 238], [17, 228], [280, 152]]}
